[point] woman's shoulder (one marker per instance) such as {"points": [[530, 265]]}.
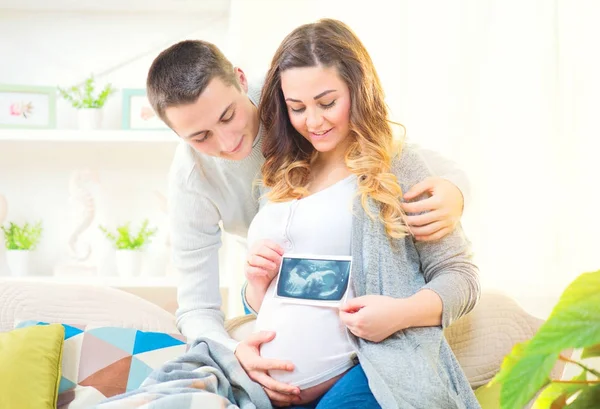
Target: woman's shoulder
{"points": [[409, 166]]}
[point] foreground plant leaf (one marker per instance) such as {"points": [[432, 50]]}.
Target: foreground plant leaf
{"points": [[589, 398], [555, 395], [524, 379], [574, 322], [591, 352]]}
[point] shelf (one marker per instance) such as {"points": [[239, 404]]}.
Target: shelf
{"points": [[144, 6], [111, 281], [75, 135]]}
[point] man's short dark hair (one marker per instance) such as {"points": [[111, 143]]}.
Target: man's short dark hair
{"points": [[181, 73]]}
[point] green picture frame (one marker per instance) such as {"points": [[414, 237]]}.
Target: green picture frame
{"points": [[137, 114], [27, 107]]}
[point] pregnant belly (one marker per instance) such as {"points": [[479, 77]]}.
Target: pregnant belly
{"points": [[312, 338]]}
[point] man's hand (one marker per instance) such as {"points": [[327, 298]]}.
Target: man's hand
{"points": [[262, 264], [444, 208], [257, 367], [373, 317]]}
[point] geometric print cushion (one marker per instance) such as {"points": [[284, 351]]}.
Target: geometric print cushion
{"points": [[100, 362]]}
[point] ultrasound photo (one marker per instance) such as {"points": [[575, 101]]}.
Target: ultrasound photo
{"points": [[314, 280]]}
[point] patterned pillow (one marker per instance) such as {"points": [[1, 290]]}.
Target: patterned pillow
{"points": [[100, 362]]}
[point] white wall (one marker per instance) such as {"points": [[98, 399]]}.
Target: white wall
{"points": [[61, 48], [506, 88]]}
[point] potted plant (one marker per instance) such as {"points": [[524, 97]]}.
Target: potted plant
{"points": [[573, 323], [20, 241], [87, 102], [129, 246]]}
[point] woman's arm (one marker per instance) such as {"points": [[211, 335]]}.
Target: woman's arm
{"points": [[262, 265], [447, 264]]}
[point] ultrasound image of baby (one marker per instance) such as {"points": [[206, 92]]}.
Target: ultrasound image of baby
{"points": [[313, 279]]}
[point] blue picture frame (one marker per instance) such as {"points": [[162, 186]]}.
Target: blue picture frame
{"points": [[20, 103], [137, 114]]}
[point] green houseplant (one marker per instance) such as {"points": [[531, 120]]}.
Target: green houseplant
{"points": [[574, 323], [20, 241], [88, 101], [128, 246]]}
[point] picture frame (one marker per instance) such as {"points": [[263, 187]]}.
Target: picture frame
{"points": [[318, 280], [27, 107], [138, 113]]}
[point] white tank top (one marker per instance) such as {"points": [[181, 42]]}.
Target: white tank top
{"points": [[312, 338]]}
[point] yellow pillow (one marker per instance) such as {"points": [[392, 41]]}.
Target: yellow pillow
{"points": [[30, 367], [489, 396]]}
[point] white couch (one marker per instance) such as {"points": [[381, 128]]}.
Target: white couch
{"points": [[479, 340]]}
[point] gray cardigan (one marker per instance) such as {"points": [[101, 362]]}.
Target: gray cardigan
{"points": [[413, 368]]}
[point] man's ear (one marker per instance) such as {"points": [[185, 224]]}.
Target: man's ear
{"points": [[241, 77]]}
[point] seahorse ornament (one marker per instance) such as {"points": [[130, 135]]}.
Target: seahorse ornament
{"points": [[83, 211]]}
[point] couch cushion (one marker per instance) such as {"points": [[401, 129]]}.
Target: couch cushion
{"points": [[100, 362], [80, 305], [30, 367], [481, 339]]}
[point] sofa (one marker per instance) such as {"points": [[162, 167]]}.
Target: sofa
{"points": [[479, 340]]}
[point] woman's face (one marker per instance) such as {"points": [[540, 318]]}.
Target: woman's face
{"points": [[318, 103]]}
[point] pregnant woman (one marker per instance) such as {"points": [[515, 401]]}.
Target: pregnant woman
{"points": [[333, 181]]}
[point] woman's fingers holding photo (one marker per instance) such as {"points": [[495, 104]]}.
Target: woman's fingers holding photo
{"points": [[270, 254], [259, 261]]}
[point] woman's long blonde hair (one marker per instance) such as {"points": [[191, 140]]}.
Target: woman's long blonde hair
{"points": [[330, 43]]}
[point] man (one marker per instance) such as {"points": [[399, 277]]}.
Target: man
{"points": [[197, 92]]}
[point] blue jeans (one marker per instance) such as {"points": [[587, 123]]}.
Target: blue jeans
{"points": [[350, 392]]}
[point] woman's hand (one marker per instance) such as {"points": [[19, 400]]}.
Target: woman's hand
{"points": [[372, 317], [444, 208], [376, 317], [257, 367], [262, 264]]}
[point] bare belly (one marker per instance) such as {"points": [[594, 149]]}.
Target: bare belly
{"points": [[314, 392]]}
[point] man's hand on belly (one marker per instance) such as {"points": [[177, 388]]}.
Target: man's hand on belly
{"points": [[257, 367]]}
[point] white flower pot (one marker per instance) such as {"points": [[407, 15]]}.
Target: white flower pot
{"points": [[129, 262], [18, 262], [89, 118]]}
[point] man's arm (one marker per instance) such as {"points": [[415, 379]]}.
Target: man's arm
{"points": [[442, 197], [196, 239], [447, 169]]}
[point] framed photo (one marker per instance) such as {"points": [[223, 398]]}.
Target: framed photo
{"points": [[314, 280], [137, 112], [24, 106]]}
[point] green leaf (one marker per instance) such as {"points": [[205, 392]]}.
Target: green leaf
{"points": [[522, 381], [25, 237], [509, 362], [555, 395], [126, 240], [589, 398], [574, 321], [83, 96], [591, 352]]}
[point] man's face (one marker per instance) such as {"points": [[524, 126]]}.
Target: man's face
{"points": [[222, 122]]}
